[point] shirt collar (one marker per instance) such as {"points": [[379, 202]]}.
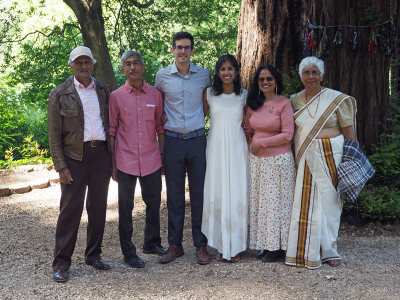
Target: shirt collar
{"points": [[129, 88], [192, 68], [79, 85]]}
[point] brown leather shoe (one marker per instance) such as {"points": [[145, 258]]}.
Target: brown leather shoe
{"points": [[60, 276], [99, 264], [203, 258], [173, 252]]}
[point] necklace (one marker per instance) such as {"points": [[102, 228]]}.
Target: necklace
{"points": [[270, 108], [315, 112]]}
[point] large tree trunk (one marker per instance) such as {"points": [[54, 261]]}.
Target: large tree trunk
{"points": [[90, 17], [270, 32]]}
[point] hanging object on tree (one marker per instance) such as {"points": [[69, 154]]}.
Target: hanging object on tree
{"points": [[355, 42], [311, 40], [338, 39], [306, 52], [372, 45], [322, 45]]}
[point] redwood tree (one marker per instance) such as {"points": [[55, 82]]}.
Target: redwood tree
{"points": [[270, 31]]}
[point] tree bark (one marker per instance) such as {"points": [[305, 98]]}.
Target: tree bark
{"points": [[90, 17], [270, 32]]}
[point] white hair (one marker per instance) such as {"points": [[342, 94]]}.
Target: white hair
{"points": [[312, 61]]}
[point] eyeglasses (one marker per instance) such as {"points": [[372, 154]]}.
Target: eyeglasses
{"points": [[185, 48], [83, 63], [308, 73], [269, 79], [134, 63]]}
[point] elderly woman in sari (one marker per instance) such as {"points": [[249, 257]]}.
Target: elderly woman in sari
{"points": [[323, 118]]}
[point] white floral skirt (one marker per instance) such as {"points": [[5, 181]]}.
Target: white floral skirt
{"points": [[272, 184]]}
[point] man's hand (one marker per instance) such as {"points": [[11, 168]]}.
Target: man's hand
{"points": [[65, 176], [114, 169], [164, 119]]}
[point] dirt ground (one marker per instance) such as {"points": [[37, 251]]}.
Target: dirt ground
{"points": [[370, 268]]}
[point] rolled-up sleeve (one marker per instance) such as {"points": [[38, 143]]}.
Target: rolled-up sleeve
{"points": [[113, 115], [159, 113]]}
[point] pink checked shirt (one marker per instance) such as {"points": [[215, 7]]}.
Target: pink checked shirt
{"points": [[93, 128], [135, 118]]}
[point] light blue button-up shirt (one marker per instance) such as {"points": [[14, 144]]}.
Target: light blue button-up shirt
{"points": [[183, 102]]}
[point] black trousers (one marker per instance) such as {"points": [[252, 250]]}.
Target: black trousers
{"points": [[93, 173], [151, 194]]}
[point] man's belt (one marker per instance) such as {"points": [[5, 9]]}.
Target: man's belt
{"points": [[94, 143], [185, 136]]}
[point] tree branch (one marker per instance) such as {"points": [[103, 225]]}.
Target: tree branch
{"points": [[53, 32], [140, 5]]}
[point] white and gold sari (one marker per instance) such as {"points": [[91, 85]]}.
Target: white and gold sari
{"points": [[316, 210]]}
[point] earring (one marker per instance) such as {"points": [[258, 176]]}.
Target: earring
{"points": [[276, 89]]}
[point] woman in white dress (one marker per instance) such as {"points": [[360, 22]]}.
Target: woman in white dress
{"points": [[225, 206]]}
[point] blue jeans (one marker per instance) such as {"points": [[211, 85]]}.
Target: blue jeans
{"points": [[180, 156]]}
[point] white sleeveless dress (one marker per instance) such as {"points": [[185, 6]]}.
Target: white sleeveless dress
{"points": [[225, 209]]}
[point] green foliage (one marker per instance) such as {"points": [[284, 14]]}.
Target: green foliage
{"points": [[380, 200], [11, 110], [380, 203], [31, 152], [150, 30], [292, 82], [43, 64]]}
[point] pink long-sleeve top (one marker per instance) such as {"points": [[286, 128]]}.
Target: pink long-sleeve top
{"points": [[135, 119], [271, 126]]}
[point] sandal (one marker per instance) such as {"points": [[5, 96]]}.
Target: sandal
{"points": [[333, 263], [219, 257], [235, 259]]}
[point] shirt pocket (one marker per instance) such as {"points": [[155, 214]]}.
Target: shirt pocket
{"points": [[149, 112]]}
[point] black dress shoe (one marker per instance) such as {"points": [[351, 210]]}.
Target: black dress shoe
{"points": [[60, 276], [134, 261], [99, 264], [273, 256], [262, 253], [159, 250]]}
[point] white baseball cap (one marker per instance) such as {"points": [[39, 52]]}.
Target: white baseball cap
{"points": [[80, 51]]}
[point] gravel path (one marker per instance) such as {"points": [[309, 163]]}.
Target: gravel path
{"points": [[370, 269]]}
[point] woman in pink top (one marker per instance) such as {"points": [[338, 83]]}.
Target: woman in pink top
{"points": [[269, 129]]}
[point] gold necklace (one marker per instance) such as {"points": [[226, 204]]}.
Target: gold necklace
{"points": [[309, 113]]}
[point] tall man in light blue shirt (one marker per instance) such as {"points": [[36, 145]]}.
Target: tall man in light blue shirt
{"points": [[182, 85]]}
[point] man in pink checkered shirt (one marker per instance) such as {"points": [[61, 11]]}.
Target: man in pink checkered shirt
{"points": [[136, 109]]}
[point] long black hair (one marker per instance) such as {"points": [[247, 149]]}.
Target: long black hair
{"points": [[217, 82], [255, 98]]}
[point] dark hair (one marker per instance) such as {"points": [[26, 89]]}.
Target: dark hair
{"points": [[255, 99], [182, 35], [217, 82]]}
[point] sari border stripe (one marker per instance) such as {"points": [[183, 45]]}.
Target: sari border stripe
{"points": [[330, 161], [303, 220], [318, 126]]}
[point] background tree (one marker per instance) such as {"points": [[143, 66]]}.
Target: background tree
{"points": [[276, 37]]}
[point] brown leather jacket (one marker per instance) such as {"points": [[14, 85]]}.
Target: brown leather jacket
{"points": [[66, 122]]}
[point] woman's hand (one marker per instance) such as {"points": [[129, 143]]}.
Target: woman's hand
{"points": [[254, 147]]}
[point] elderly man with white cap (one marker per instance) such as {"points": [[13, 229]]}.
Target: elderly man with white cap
{"points": [[78, 137]]}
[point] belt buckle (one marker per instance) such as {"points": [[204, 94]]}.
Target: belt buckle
{"points": [[92, 144]]}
